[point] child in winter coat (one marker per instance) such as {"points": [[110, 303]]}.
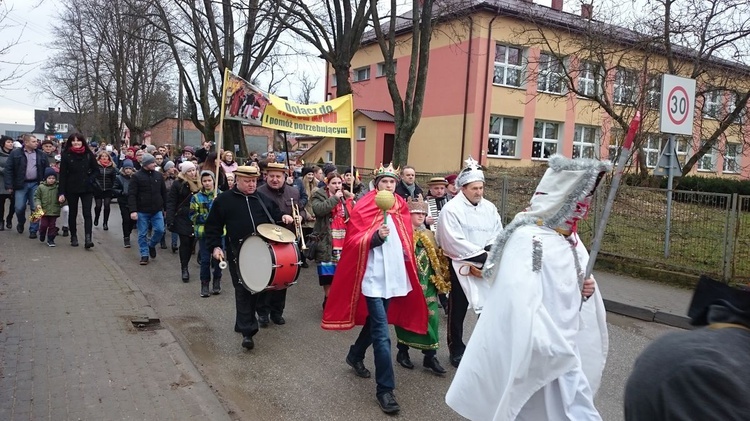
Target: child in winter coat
{"points": [[46, 199], [200, 206], [122, 182]]}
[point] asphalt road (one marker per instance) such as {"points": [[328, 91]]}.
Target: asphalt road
{"points": [[297, 371]]}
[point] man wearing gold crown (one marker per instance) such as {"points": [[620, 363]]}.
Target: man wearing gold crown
{"points": [[376, 283], [538, 351], [432, 269], [466, 227]]}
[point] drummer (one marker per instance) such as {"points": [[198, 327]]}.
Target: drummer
{"points": [[239, 211], [271, 303]]}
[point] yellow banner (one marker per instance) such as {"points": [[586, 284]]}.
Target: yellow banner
{"points": [[330, 119]]}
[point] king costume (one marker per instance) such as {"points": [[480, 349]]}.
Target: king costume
{"points": [[538, 351]]}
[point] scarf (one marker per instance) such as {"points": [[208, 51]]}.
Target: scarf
{"points": [[80, 150], [105, 163], [410, 188], [192, 183]]}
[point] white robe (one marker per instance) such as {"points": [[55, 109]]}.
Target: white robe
{"points": [[533, 355], [463, 232], [385, 275]]}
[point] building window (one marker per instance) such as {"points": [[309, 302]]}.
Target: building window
{"points": [[732, 154], [507, 65], [585, 142], [334, 81], [329, 156], [503, 137], [653, 92], [363, 73], [712, 103], [625, 87], [361, 133], [732, 105], [546, 135], [549, 74], [381, 69], [707, 161], [682, 144], [652, 148], [589, 79]]}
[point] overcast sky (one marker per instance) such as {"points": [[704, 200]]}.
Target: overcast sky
{"points": [[31, 19]]}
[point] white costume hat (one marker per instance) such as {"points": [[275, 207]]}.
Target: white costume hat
{"points": [[472, 172]]}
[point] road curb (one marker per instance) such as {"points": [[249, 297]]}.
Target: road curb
{"points": [[648, 315]]}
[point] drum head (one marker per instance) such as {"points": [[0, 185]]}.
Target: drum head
{"points": [[255, 264], [276, 233]]}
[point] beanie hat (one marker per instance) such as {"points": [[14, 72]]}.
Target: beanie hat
{"points": [[147, 159], [306, 170], [49, 171], [168, 166], [127, 164], [188, 149], [93, 144], [207, 172], [150, 148], [186, 166], [329, 168]]}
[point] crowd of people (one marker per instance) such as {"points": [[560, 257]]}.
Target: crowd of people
{"points": [[386, 252]]}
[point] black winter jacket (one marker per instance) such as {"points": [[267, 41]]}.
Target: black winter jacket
{"points": [[15, 168], [178, 207], [147, 192], [105, 178], [122, 183], [76, 172], [402, 191]]}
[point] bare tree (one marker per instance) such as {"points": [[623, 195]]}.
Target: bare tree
{"points": [[603, 65], [334, 28], [307, 86], [10, 70]]}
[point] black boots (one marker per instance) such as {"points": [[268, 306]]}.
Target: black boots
{"points": [[74, 240], [403, 359], [96, 220], [105, 226], [65, 231], [87, 242], [163, 243], [185, 274], [126, 242], [217, 286], [204, 289]]}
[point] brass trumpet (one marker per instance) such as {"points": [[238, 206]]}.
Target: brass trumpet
{"points": [[298, 224]]}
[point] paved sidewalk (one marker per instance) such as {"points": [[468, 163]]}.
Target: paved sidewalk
{"points": [[68, 347], [645, 300]]}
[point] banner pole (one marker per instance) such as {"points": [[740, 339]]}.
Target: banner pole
{"points": [[352, 141], [220, 142]]}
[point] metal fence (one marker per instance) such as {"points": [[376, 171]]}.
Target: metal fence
{"points": [[710, 232]]}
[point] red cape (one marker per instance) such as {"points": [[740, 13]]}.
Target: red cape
{"points": [[344, 308]]}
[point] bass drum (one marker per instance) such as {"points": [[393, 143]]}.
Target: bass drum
{"points": [[266, 265]]}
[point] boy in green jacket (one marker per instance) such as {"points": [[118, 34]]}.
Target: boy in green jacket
{"points": [[45, 198]]}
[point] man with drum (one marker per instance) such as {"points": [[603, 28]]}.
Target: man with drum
{"points": [[239, 211], [272, 302]]}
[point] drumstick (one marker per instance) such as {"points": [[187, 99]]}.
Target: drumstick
{"points": [[222, 263]]}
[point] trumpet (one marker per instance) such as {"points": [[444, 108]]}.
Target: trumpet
{"points": [[298, 224]]}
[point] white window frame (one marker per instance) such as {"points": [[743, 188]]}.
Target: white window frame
{"points": [[732, 159], [708, 159], [652, 147], [329, 156], [682, 147], [334, 80], [580, 141], [625, 90], [505, 68], [589, 79], [712, 103], [549, 71], [361, 132], [380, 69], [653, 92], [544, 140], [731, 105], [502, 138], [355, 74]]}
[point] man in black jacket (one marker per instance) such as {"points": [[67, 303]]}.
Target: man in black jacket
{"points": [[239, 211], [24, 170], [408, 187], [147, 197]]}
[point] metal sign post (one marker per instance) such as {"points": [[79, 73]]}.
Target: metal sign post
{"points": [[668, 166]]}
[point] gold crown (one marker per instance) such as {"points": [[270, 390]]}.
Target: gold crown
{"points": [[388, 171]]}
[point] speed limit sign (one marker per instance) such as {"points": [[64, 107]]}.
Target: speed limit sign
{"points": [[677, 105]]}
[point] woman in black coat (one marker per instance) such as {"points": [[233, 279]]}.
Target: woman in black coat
{"points": [[77, 168], [104, 183], [178, 212]]}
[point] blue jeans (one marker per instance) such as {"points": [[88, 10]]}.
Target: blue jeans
{"points": [[22, 197], [375, 332], [156, 221], [206, 260]]}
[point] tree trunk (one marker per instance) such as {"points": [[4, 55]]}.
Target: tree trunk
{"points": [[401, 147]]}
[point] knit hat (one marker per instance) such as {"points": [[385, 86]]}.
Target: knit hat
{"points": [[329, 168], [127, 164], [186, 166], [305, 171], [150, 148], [188, 149], [93, 144], [168, 166], [207, 172], [451, 179], [49, 171], [147, 159]]}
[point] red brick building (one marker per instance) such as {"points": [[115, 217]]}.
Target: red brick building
{"points": [[164, 132]]}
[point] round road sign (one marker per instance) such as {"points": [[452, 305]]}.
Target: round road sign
{"points": [[678, 105]]}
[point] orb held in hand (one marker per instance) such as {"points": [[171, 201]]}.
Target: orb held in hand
{"points": [[385, 201]]}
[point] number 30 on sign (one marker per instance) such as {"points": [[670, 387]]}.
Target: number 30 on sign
{"points": [[677, 105]]}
